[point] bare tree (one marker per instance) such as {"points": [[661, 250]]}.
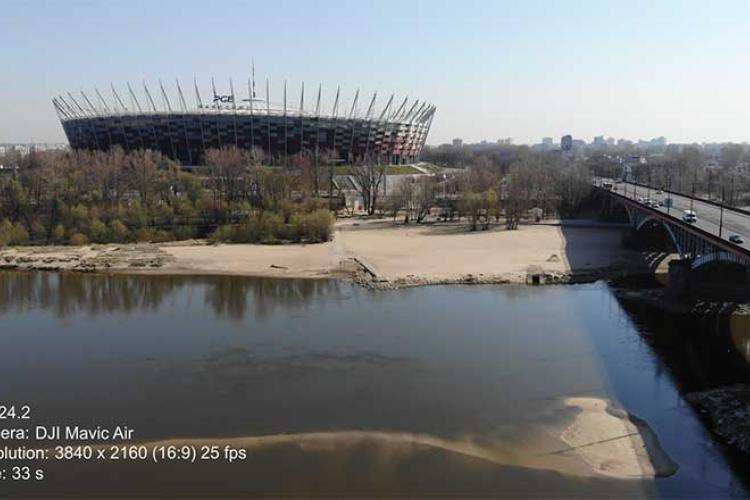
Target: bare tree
{"points": [[426, 188], [370, 176]]}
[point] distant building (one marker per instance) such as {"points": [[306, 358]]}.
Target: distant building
{"points": [[600, 142], [579, 145], [566, 142], [711, 164], [547, 144], [457, 142]]}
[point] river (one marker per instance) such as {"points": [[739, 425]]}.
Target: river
{"points": [[336, 390]]}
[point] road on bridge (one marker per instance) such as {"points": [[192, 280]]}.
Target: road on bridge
{"points": [[708, 214]]}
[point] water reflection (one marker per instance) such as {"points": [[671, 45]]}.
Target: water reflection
{"points": [[349, 376], [71, 294]]}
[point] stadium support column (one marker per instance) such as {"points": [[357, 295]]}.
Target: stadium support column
{"points": [[251, 95], [183, 108], [199, 103], [368, 117], [234, 110], [169, 119], [334, 115], [351, 123], [268, 118], [96, 114], [124, 109], [317, 142], [153, 119], [286, 133], [427, 129], [92, 128], [140, 112], [217, 112], [302, 120]]}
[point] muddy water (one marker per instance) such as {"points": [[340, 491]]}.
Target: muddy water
{"points": [[334, 390]]}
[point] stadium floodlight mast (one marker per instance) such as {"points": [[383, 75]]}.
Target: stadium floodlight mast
{"points": [[91, 106], [148, 96], [134, 98], [268, 114], [165, 98], [123, 108], [183, 105], [103, 102]]}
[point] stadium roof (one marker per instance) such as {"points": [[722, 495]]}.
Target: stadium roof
{"points": [[69, 107]]}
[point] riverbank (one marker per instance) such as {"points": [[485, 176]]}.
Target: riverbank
{"points": [[376, 253], [718, 390]]}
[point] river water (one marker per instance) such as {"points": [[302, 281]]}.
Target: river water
{"points": [[341, 391]]}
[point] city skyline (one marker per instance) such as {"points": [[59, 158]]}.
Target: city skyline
{"points": [[491, 69]]}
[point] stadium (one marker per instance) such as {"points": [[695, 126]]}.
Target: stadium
{"points": [[392, 133]]}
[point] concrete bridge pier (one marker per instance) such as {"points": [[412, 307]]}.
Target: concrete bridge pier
{"points": [[687, 282]]}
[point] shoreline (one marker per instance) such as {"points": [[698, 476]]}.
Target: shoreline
{"points": [[375, 253]]}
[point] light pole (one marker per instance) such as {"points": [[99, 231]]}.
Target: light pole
{"points": [[721, 211], [692, 196], [669, 188]]}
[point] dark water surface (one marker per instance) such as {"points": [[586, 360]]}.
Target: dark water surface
{"points": [[220, 357]]}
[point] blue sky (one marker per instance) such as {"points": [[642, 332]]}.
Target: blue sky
{"points": [[520, 69]]}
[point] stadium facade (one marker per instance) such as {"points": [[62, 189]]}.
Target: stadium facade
{"points": [[392, 133]]}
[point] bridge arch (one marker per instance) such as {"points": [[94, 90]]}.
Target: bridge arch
{"points": [[667, 227], [718, 256]]}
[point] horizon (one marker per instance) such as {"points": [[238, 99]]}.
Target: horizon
{"points": [[493, 70]]}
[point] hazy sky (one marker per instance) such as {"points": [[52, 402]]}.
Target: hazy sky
{"points": [[520, 69]]}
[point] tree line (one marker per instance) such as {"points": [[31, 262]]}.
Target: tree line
{"points": [[78, 197], [91, 196], [526, 184]]}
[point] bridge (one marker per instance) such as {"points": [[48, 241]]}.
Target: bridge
{"points": [[704, 241]]}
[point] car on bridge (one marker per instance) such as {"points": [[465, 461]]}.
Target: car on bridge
{"points": [[689, 216], [736, 238]]}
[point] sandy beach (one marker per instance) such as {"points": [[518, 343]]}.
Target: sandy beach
{"points": [[377, 251]]}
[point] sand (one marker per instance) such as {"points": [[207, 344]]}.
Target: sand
{"points": [[590, 441], [377, 251], [451, 253]]}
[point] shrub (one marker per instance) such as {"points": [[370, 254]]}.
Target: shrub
{"points": [[313, 204], [287, 210], [38, 230], [261, 227], [5, 229], [221, 234], [58, 233], [298, 227], [184, 232], [151, 235], [98, 231], [119, 231], [272, 228], [18, 234], [320, 225], [79, 239]]}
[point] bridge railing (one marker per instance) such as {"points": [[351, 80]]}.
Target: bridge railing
{"points": [[690, 228], [697, 198]]}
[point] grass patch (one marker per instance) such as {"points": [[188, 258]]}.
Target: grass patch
{"points": [[391, 170]]}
